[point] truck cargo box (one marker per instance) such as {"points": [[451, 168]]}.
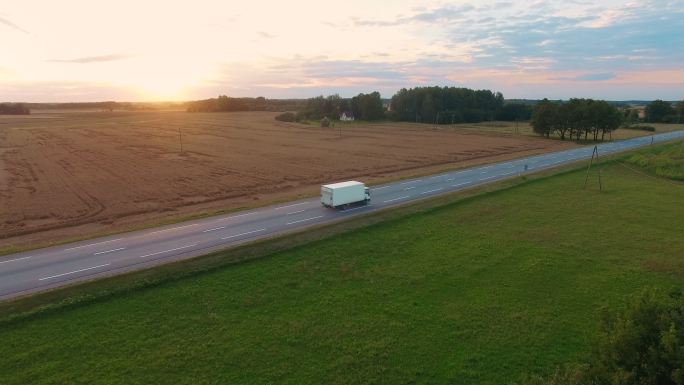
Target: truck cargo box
{"points": [[344, 193]]}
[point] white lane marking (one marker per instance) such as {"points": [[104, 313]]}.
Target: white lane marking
{"points": [[508, 173], [174, 228], [73, 272], [296, 212], [14, 260], [249, 232], [396, 199], [410, 188], [93, 244], [449, 180], [110, 251], [236, 216], [214, 229], [439, 176], [380, 188], [431, 191], [296, 204], [483, 172], [166, 251], [460, 184], [491, 177], [412, 181], [304, 220], [356, 208]]}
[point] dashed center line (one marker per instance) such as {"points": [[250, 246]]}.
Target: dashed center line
{"points": [[304, 220], [296, 212], [73, 272], [93, 244], [236, 216], [380, 188], [491, 177], [239, 235], [459, 184], [174, 228], [214, 229], [166, 251], [110, 251], [431, 191], [409, 188], [293, 205], [14, 260], [396, 199], [412, 181], [356, 208]]}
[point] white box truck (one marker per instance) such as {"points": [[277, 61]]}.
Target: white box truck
{"points": [[344, 194]]}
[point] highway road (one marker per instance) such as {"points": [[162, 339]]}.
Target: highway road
{"points": [[42, 269]]}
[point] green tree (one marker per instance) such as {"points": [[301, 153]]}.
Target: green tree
{"points": [[658, 110], [427, 109], [680, 111], [544, 117], [644, 343]]}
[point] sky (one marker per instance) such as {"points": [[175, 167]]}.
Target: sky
{"points": [[74, 51]]}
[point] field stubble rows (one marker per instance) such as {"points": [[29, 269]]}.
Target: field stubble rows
{"points": [[69, 174]]}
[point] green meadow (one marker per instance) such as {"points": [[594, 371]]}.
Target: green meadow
{"points": [[486, 290]]}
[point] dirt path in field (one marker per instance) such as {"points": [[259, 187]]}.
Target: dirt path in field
{"points": [[65, 175]]}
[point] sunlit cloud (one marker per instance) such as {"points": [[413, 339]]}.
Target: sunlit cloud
{"points": [[298, 49], [91, 59], [9, 24]]}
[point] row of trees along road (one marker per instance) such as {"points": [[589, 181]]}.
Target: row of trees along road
{"points": [[576, 118]]}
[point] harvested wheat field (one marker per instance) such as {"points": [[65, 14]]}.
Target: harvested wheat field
{"points": [[69, 174]]}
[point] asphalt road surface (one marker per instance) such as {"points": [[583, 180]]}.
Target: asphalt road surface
{"points": [[38, 270]]}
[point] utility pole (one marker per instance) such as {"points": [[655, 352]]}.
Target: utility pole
{"points": [[180, 139], [591, 161]]}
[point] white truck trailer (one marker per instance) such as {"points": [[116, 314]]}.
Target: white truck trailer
{"points": [[344, 194]]}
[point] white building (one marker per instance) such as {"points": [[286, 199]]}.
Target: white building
{"points": [[347, 117]]}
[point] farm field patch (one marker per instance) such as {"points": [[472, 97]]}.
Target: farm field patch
{"points": [[66, 174]]}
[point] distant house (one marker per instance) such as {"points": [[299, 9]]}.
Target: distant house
{"points": [[347, 117]]}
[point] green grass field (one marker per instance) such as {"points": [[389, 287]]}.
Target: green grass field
{"points": [[485, 290], [666, 161]]}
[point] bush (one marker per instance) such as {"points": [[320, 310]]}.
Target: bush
{"points": [[644, 343], [286, 117]]}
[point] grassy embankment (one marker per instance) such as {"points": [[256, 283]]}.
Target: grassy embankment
{"points": [[483, 290]]}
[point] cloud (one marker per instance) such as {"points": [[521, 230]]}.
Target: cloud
{"points": [[92, 59], [265, 35], [12, 25], [590, 77], [439, 14]]}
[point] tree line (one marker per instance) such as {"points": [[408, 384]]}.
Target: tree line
{"points": [[362, 106], [576, 118], [445, 105], [14, 109], [223, 103], [660, 111], [436, 105]]}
